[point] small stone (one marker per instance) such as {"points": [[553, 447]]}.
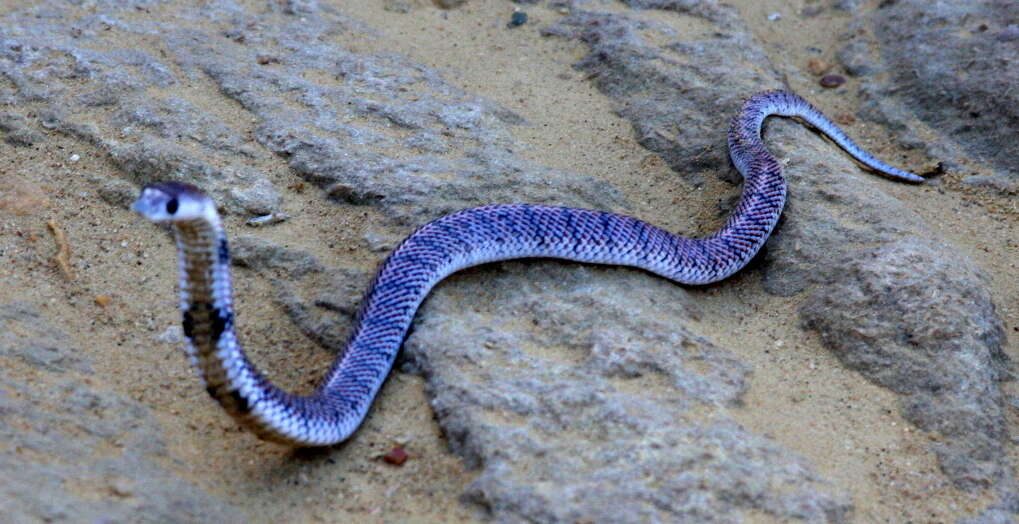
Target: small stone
{"points": [[74, 158], [449, 4], [102, 300], [396, 6], [772, 17], [844, 119], [121, 487], [171, 335], [818, 67], [519, 18], [1010, 33], [396, 456], [831, 81]]}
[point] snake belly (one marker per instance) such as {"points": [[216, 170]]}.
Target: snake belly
{"points": [[467, 238]]}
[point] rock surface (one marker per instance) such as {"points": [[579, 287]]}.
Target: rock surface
{"points": [[570, 393], [940, 347], [75, 453], [543, 412], [672, 101], [950, 63], [957, 393]]}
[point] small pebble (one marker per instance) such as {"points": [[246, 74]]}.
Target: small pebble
{"points": [[774, 16], [396, 6], [74, 158], [121, 488], [519, 18], [103, 300], [271, 218], [449, 4], [1010, 33], [818, 67], [396, 456], [830, 81]]}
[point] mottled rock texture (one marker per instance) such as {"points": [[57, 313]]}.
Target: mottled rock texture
{"points": [[953, 67], [940, 347], [673, 102], [835, 214], [579, 393], [81, 79], [543, 411], [75, 453]]}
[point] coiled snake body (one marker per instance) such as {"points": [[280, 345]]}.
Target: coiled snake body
{"points": [[437, 249]]}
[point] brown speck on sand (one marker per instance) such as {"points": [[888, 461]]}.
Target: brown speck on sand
{"points": [[818, 67], [831, 81], [396, 456]]}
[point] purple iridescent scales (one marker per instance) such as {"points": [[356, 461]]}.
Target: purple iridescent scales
{"points": [[502, 232]]}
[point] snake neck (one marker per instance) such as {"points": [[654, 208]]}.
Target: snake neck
{"points": [[208, 320]]}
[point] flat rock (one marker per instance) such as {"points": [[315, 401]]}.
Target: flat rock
{"points": [[58, 436], [371, 129], [829, 199], [673, 94], [949, 63], [579, 392], [925, 327], [586, 399]]}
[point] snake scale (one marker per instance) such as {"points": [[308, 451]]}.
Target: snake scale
{"points": [[466, 238]]}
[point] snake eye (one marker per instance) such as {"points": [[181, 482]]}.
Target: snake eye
{"points": [[172, 205]]}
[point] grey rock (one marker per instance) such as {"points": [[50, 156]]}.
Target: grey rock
{"points": [[673, 94], [829, 199], [381, 134], [1000, 183], [298, 7], [252, 251], [58, 435], [856, 58], [377, 133], [623, 416], [599, 357], [319, 300], [846, 5], [17, 131], [802, 254], [712, 10], [955, 76], [939, 346], [24, 335], [396, 6]]}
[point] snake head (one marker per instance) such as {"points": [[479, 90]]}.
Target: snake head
{"points": [[173, 202]]}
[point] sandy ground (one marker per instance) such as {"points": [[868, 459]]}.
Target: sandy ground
{"points": [[855, 436]]}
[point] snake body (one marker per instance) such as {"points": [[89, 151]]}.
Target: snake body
{"points": [[456, 241]]}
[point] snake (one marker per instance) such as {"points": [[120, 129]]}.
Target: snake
{"points": [[479, 235]]}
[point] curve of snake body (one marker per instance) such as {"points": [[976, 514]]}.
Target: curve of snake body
{"points": [[456, 241]]}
